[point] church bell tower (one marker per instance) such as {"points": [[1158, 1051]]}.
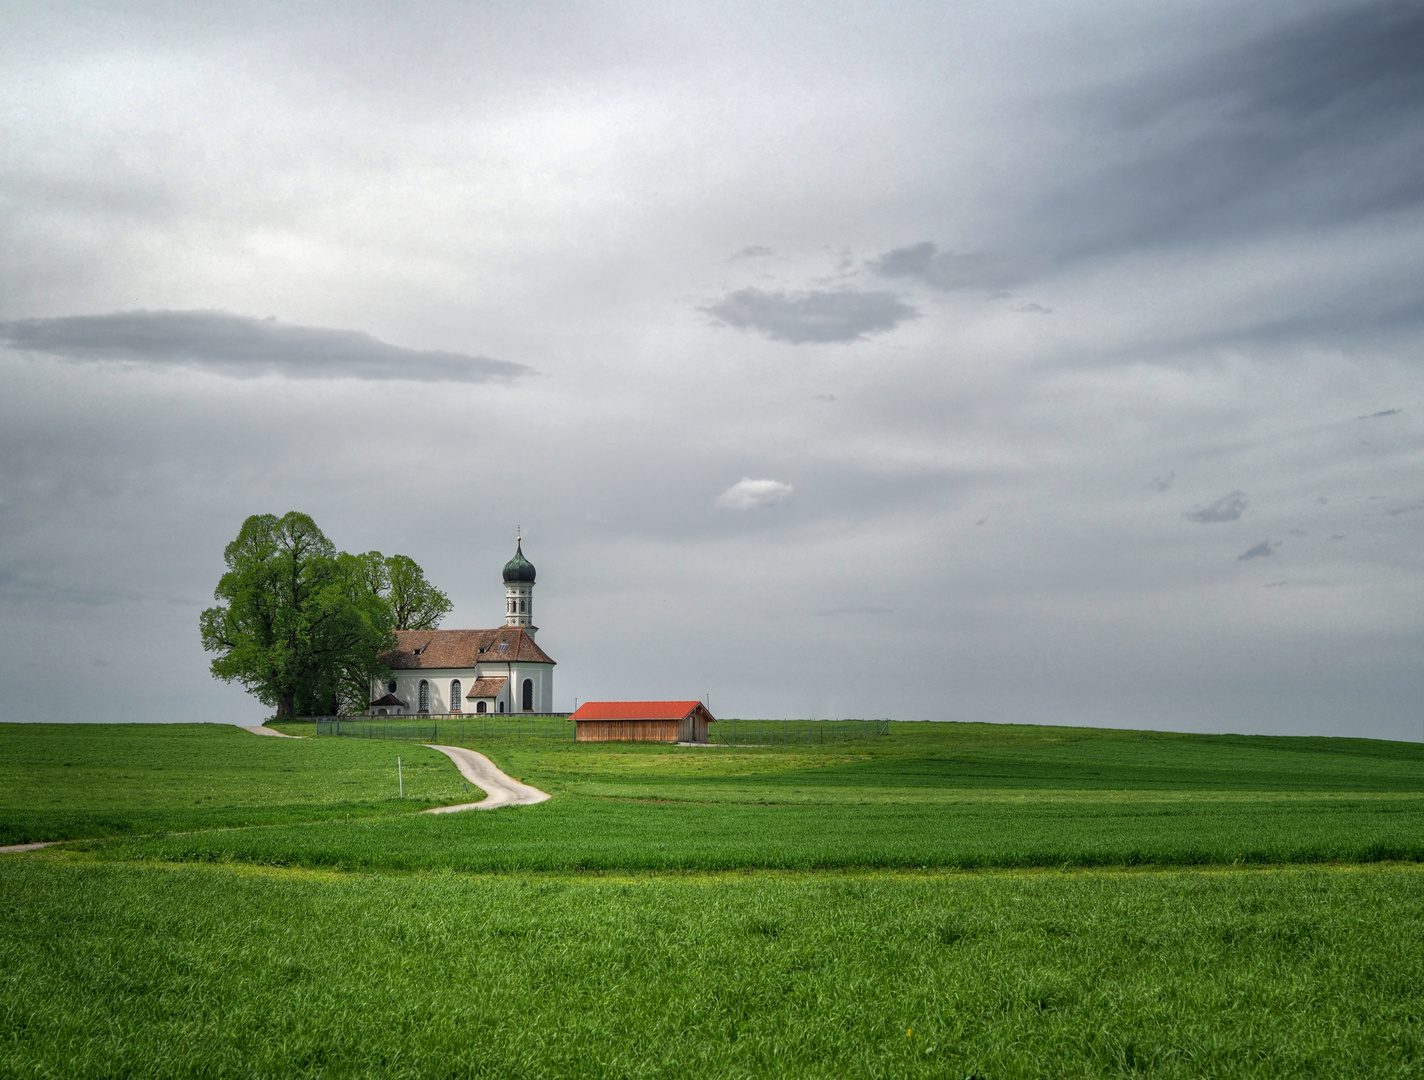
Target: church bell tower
{"points": [[519, 591]]}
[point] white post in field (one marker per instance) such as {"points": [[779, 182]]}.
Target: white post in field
{"points": [[400, 777]]}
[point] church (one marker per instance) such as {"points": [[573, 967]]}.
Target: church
{"points": [[472, 671]]}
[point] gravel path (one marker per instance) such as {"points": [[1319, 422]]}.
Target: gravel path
{"points": [[260, 730], [500, 789], [10, 848]]}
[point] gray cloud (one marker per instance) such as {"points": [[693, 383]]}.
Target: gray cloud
{"points": [[815, 316], [241, 345], [1264, 550], [865, 609], [1162, 483], [948, 270], [1227, 508], [1377, 415]]}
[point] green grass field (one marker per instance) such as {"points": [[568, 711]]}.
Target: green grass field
{"points": [[67, 781], [947, 900]]}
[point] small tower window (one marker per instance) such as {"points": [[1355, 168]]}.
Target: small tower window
{"points": [[424, 696], [528, 695], [455, 695]]}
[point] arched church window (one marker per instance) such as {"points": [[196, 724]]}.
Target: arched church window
{"points": [[480, 707], [424, 696], [528, 695], [455, 695], [391, 686], [521, 605], [501, 706]]}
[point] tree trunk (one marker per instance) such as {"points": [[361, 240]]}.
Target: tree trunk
{"points": [[285, 708]]}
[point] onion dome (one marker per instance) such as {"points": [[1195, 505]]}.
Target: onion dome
{"points": [[518, 569]]}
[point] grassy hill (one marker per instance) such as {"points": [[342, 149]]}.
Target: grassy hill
{"points": [[946, 795]]}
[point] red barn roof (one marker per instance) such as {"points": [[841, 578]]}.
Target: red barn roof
{"points": [[636, 710]]}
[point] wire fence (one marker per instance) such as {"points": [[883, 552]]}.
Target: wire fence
{"points": [[463, 729], [793, 732], [457, 728]]}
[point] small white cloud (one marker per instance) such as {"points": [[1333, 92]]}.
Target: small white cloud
{"points": [[749, 494]]}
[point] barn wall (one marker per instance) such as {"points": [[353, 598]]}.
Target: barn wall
{"points": [[627, 730]]}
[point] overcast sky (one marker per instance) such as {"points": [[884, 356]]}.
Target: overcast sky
{"points": [[1040, 362]]}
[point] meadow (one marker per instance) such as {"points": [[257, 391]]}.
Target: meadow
{"points": [[945, 900], [169, 971], [925, 795], [65, 781]]}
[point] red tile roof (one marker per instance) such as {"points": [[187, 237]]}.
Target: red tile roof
{"points": [[462, 648], [486, 687], [636, 710], [389, 699]]}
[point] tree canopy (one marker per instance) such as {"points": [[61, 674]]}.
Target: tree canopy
{"points": [[301, 625]]}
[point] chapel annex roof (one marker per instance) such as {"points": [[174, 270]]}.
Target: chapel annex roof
{"points": [[486, 688], [463, 648]]}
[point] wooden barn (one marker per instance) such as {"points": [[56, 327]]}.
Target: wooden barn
{"points": [[642, 721]]}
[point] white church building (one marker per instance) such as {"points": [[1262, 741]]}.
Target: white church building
{"points": [[472, 671]]}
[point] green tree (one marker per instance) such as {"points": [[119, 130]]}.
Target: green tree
{"points": [[299, 624], [415, 603]]}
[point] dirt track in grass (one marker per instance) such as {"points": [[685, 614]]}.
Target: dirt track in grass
{"points": [[500, 788]]}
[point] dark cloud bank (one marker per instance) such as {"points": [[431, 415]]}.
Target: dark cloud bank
{"points": [[244, 346], [1313, 122]]}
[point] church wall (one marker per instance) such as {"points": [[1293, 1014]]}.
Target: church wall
{"points": [[408, 686], [543, 678]]}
